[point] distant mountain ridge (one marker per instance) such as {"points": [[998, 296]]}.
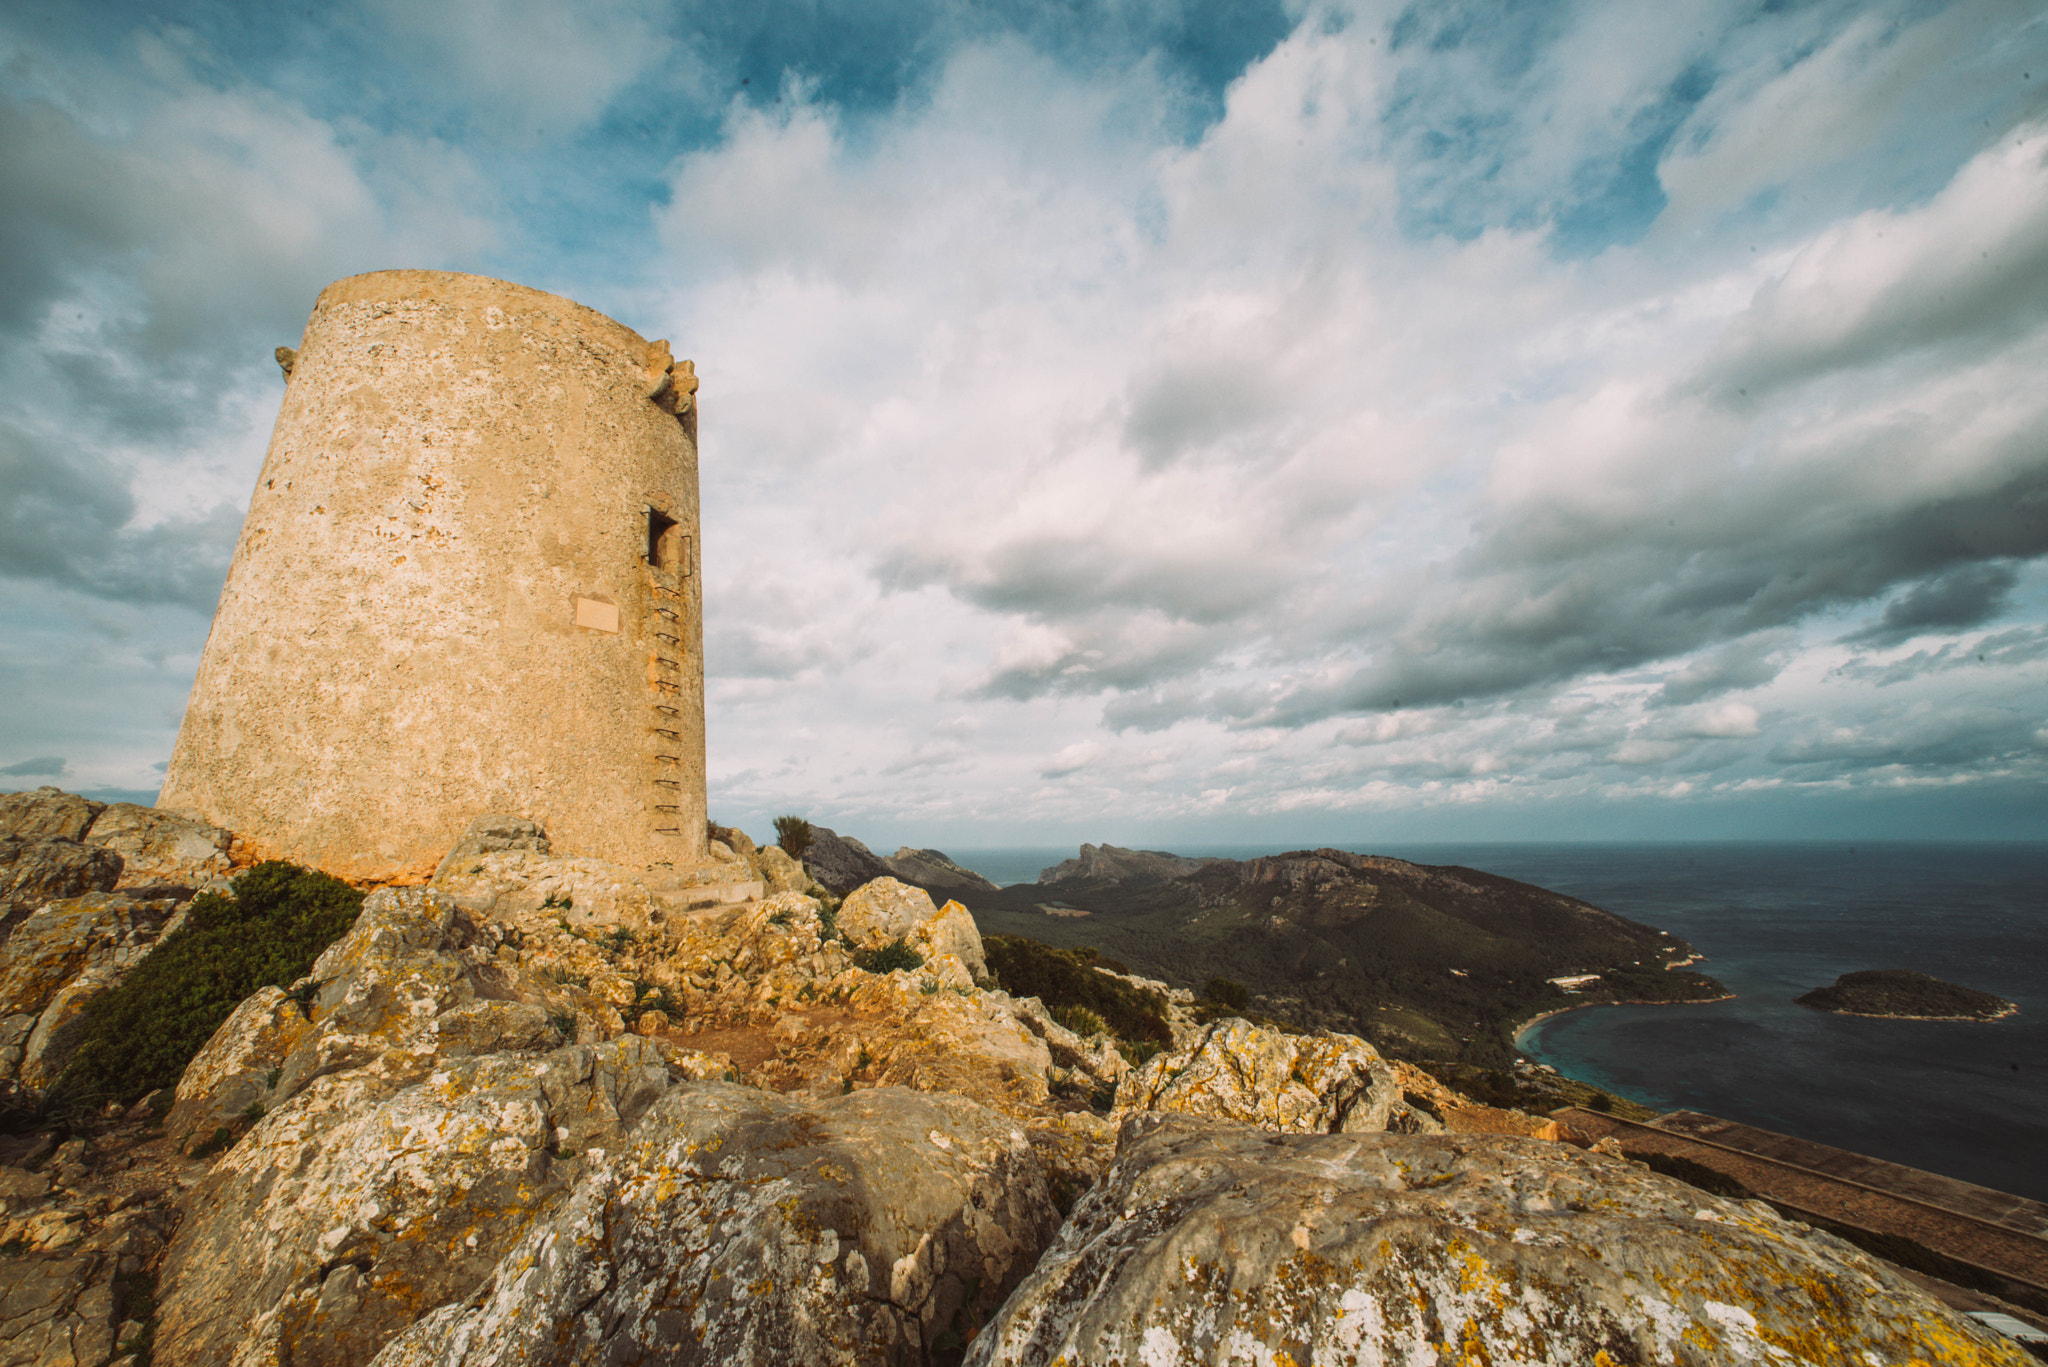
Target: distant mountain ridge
{"points": [[933, 871], [1429, 961], [1110, 861]]}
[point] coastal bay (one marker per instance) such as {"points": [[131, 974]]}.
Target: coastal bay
{"points": [[1969, 1099], [1965, 1098]]}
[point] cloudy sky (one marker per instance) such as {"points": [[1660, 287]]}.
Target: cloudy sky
{"points": [[1172, 422]]}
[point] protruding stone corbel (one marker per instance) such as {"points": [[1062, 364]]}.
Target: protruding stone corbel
{"points": [[286, 359], [671, 383]]}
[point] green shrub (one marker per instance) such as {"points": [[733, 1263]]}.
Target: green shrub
{"points": [[1065, 978], [141, 1035], [793, 833], [1080, 1020], [1138, 1053], [890, 957], [1230, 994]]}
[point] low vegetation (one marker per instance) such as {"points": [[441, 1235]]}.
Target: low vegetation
{"points": [[793, 833], [139, 1037], [888, 958], [1065, 980]]}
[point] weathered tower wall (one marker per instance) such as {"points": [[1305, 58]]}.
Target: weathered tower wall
{"points": [[467, 583]]}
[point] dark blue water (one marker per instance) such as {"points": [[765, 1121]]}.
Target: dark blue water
{"points": [[1962, 1098]]}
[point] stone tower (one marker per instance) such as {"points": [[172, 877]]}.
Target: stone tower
{"points": [[467, 583]]}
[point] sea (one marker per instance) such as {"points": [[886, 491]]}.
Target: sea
{"points": [[1965, 1099]]}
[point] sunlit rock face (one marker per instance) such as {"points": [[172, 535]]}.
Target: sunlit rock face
{"points": [[737, 1226], [1211, 1242]]}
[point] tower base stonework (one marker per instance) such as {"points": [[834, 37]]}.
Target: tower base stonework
{"points": [[468, 582]]}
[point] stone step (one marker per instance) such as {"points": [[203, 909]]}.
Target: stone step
{"points": [[688, 895]]}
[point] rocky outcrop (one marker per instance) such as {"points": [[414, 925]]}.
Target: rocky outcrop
{"points": [[490, 834], [79, 1236], [421, 1083], [357, 1205], [541, 1111], [57, 961], [735, 1226], [48, 814], [1297, 1084], [1091, 1060], [164, 849], [416, 981], [887, 910], [840, 863], [933, 871], [779, 873], [1109, 861], [35, 872], [1209, 1242]]}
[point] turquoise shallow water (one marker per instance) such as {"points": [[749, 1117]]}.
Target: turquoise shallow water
{"points": [[1966, 1099]]}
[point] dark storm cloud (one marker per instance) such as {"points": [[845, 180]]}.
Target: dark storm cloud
{"points": [[2018, 646], [62, 210], [1965, 596], [64, 521], [1557, 588]]}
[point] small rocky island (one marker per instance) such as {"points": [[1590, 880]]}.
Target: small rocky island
{"points": [[1903, 994]]}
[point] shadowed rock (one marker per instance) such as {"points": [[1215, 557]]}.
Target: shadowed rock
{"points": [[840, 863]]}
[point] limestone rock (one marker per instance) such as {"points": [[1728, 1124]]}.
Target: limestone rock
{"points": [[531, 889], [779, 873], [34, 872], [75, 1233], [735, 1226], [886, 910], [47, 814], [1094, 1058], [1211, 1242], [158, 847], [416, 981], [840, 863], [735, 840], [61, 958], [239, 1066], [408, 1194], [933, 871], [1313, 1084], [488, 835], [59, 1311]]}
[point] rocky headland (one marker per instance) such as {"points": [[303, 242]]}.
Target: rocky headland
{"points": [[541, 1110], [1437, 963], [1904, 994]]}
